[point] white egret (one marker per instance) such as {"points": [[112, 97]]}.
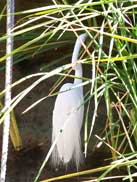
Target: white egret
{"points": [[69, 110]]}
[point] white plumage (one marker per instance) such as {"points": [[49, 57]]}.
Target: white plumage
{"points": [[68, 117]]}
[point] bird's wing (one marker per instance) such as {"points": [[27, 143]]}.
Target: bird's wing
{"points": [[67, 119], [68, 104]]}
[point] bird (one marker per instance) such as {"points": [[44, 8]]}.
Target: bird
{"points": [[68, 116]]}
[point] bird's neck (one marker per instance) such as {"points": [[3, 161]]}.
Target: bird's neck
{"points": [[78, 73]]}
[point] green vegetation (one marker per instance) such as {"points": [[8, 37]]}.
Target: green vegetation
{"points": [[110, 51]]}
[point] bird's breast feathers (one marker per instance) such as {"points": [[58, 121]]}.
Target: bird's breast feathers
{"points": [[69, 98]]}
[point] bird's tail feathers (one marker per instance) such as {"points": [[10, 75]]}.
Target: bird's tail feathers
{"points": [[76, 159], [78, 155]]}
